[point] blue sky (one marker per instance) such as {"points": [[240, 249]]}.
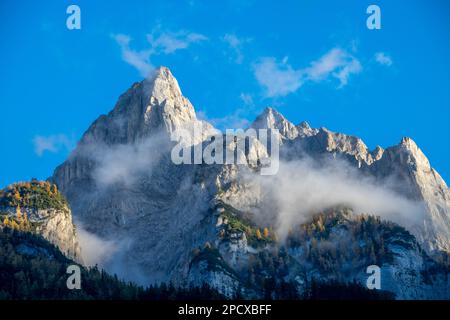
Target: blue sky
{"points": [[311, 60]]}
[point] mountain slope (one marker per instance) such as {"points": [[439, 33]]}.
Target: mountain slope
{"points": [[34, 269]]}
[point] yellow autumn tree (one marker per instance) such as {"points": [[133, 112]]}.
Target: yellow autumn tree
{"points": [[14, 225], [258, 234], [17, 195], [24, 224], [6, 221], [266, 233], [18, 213]]}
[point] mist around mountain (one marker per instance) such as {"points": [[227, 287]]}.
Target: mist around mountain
{"points": [[311, 230]]}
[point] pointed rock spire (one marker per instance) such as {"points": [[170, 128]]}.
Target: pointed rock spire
{"points": [[407, 152], [272, 119], [153, 105], [162, 85], [305, 130]]}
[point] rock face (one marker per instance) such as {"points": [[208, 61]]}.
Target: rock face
{"points": [[35, 207], [194, 223], [57, 227], [419, 181]]}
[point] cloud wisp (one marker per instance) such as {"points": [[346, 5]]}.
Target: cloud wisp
{"points": [[138, 59], [236, 43], [337, 63], [95, 251], [169, 42], [303, 188], [166, 42], [52, 143], [124, 163], [383, 59], [277, 78], [280, 78]]}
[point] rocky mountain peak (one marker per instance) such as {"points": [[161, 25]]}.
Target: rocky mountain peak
{"points": [[305, 130], [409, 153], [272, 119], [162, 85], [304, 125], [155, 104]]}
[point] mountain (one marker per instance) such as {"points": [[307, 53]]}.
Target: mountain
{"points": [[224, 225]]}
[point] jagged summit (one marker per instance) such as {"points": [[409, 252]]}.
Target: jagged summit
{"points": [[409, 144], [272, 119], [154, 104], [304, 125], [162, 85], [408, 153], [305, 130]]}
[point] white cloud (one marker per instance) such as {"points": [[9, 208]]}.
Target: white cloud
{"points": [[352, 67], [94, 250], [169, 42], [280, 78], [383, 59], [52, 143], [159, 43], [138, 59], [236, 43], [125, 163], [277, 78], [336, 62], [305, 187]]}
